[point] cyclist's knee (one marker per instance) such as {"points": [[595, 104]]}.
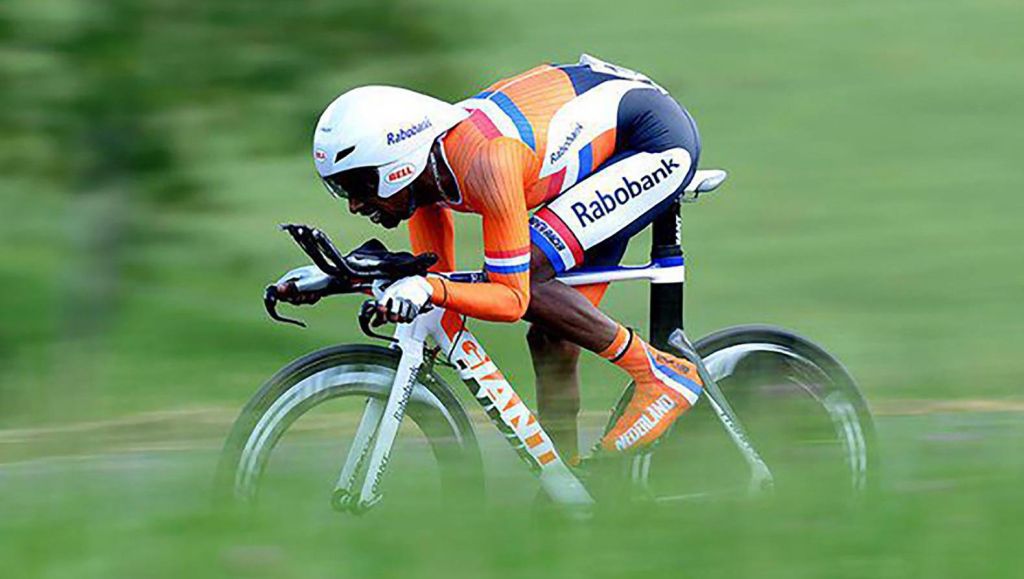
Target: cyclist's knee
{"points": [[534, 313], [538, 309]]}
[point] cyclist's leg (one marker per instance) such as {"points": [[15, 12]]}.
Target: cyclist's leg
{"points": [[558, 395], [562, 319], [657, 158], [558, 386], [665, 385]]}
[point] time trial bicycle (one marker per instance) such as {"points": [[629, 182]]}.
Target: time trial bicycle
{"points": [[799, 405]]}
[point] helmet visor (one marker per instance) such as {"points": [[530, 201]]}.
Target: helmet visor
{"points": [[360, 183]]}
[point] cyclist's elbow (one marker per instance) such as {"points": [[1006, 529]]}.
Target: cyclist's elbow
{"points": [[516, 309]]}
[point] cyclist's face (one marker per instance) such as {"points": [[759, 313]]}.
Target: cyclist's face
{"points": [[386, 212]]}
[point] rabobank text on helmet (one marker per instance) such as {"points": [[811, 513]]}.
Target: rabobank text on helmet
{"points": [[403, 134]]}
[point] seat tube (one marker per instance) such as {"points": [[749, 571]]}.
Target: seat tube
{"points": [[666, 300]]}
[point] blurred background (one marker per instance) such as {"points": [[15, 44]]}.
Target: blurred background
{"points": [[149, 148]]}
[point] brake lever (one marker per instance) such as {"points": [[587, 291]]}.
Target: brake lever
{"points": [[366, 313], [270, 302]]}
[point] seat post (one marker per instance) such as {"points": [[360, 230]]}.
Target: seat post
{"points": [[666, 300]]}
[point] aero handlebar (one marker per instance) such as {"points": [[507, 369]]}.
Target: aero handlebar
{"points": [[355, 272]]}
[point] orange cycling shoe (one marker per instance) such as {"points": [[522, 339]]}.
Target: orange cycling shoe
{"points": [[665, 387]]}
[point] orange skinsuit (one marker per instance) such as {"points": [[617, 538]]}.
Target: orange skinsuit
{"points": [[497, 176], [496, 157]]}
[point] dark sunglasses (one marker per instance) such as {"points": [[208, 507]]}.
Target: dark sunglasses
{"points": [[360, 183]]}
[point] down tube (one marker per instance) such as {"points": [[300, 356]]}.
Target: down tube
{"points": [[507, 411]]}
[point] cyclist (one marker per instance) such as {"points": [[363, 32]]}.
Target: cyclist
{"points": [[598, 151]]}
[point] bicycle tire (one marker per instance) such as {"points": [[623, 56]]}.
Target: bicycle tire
{"points": [[846, 394], [330, 373], [723, 352]]}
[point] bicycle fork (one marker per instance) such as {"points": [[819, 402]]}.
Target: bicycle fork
{"points": [[375, 436]]}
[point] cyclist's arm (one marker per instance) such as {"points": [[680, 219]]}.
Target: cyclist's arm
{"points": [[432, 228], [496, 183]]}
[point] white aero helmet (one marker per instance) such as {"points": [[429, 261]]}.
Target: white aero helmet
{"points": [[386, 129]]}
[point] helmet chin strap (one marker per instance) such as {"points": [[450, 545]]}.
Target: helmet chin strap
{"points": [[438, 184], [432, 162], [412, 203], [436, 173]]}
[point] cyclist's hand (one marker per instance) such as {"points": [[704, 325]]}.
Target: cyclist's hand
{"points": [[403, 300], [288, 292], [302, 285]]}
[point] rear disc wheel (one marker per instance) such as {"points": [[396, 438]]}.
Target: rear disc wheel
{"points": [[799, 406]]}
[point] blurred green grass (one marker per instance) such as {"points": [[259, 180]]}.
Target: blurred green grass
{"points": [[873, 205], [143, 514]]}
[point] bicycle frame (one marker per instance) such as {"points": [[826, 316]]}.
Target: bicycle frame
{"points": [[379, 425], [498, 398]]}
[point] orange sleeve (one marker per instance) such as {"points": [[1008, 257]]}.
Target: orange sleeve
{"points": [[432, 228], [495, 184]]}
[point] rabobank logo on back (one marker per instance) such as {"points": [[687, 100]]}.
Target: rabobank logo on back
{"points": [[405, 133], [564, 148]]}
